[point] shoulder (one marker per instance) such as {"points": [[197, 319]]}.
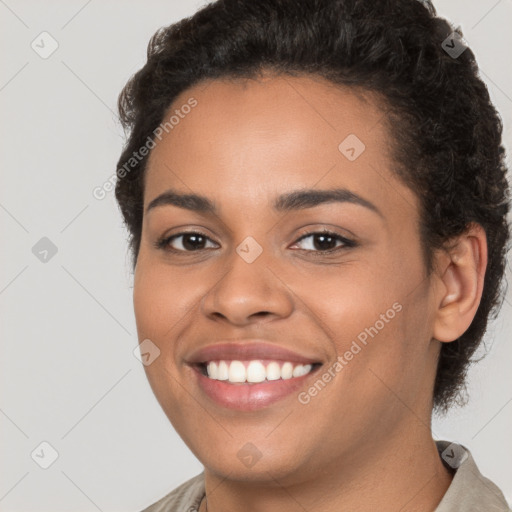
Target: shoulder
{"points": [[470, 490], [185, 498]]}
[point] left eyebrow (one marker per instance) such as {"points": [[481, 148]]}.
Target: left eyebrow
{"points": [[296, 200], [301, 199]]}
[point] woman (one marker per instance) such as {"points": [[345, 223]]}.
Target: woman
{"points": [[316, 198]]}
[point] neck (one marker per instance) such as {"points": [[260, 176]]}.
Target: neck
{"points": [[406, 474]]}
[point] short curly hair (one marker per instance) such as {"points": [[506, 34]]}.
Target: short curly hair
{"points": [[446, 134]]}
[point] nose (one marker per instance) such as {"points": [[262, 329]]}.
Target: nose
{"points": [[248, 293]]}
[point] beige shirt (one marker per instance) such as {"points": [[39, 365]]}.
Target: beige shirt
{"points": [[469, 491]]}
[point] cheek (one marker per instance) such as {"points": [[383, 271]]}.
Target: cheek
{"points": [[158, 311], [377, 317], [161, 298]]}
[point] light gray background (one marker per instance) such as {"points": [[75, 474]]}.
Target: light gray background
{"points": [[68, 375]]}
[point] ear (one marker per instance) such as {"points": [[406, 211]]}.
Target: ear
{"points": [[460, 275]]}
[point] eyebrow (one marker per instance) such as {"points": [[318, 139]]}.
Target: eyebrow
{"points": [[290, 201]]}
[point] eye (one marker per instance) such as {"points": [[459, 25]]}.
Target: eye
{"points": [[192, 241], [322, 241]]}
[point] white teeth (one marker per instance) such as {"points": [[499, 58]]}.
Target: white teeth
{"points": [[256, 372], [299, 371], [273, 371], [223, 371], [236, 371], [287, 371]]}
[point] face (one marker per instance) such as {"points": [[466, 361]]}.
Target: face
{"points": [[261, 271]]}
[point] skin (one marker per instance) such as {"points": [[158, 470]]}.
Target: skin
{"points": [[364, 441]]}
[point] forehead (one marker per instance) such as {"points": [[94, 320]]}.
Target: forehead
{"points": [[247, 139]]}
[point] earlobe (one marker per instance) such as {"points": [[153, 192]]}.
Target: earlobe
{"points": [[461, 284]]}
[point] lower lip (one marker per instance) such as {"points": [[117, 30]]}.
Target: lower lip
{"points": [[249, 397]]}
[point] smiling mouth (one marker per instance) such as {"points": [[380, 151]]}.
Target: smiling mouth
{"points": [[254, 371]]}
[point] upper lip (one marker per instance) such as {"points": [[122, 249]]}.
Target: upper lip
{"points": [[247, 350]]}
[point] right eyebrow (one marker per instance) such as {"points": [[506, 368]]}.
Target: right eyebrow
{"points": [[192, 202]]}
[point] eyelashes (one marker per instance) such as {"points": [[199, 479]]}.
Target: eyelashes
{"points": [[193, 238], [326, 234], [164, 243]]}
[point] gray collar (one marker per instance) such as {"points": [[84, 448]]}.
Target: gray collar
{"points": [[470, 490]]}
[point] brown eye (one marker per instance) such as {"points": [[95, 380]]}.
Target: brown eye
{"points": [[325, 241], [191, 241]]}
